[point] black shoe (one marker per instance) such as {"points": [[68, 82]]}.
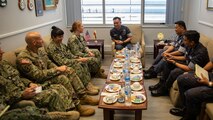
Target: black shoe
{"points": [[177, 111], [150, 74], [155, 87], [159, 92]]}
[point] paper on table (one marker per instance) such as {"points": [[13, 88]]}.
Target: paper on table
{"points": [[199, 70]]}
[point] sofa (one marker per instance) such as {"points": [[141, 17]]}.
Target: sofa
{"points": [[174, 93], [138, 36], [10, 56]]}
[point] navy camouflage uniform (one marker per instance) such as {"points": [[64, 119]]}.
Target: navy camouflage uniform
{"points": [[61, 55], [78, 47], [54, 97], [26, 113], [42, 70]]}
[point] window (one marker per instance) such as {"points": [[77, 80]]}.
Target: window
{"points": [[155, 11], [102, 11]]}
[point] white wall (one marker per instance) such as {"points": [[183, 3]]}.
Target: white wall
{"points": [[199, 18], [15, 23]]}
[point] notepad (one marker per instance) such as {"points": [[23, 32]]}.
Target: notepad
{"points": [[199, 70]]}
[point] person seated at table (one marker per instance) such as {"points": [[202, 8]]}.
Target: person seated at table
{"points": [[174, 48], [193, 92], [40, 69], [76, 44], [121, 35], [61, 55], [196, 53]]}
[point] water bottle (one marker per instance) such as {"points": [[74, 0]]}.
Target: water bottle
{"points": [[127, 91]]}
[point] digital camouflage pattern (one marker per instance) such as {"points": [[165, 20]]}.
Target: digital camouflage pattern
{"points": [[42, 70], [78, 47], [54, 97], [26, 113], [61, 55]]}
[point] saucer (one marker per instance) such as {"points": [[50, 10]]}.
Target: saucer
{"points": [[138, 98], [136, 89], [135, 77], [135, 64], [136, 72], [109, 102], [118, 65], [118, 77], [135, 61], [113, 87], [116, 70]]}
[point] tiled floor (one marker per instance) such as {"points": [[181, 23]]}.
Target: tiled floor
{"points": [[158, 107]]}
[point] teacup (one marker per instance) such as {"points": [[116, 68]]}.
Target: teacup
{"points": [[117, 64], [136, 85], [110, 98], [135, 69]]}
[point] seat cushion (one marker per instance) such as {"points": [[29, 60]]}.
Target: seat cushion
{"points": [[209, 110]]}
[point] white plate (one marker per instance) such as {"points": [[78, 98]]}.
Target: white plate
{"points": [[109, 102], [136, 89], [113, 87], [116, 70], [135, 61], [135, 77], [133, 65], [139, 71], [118, 66], [138, 98], [117, 78]]}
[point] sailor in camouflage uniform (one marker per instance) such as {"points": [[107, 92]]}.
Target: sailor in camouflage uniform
{"points": [[76, 44], [15, 89], [61, 55], [41, 70]]}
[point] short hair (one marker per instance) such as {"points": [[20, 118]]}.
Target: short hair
{"points": [[75, 26], [192, 35], [56, 32], [31, 36], [181, 23], [117, 18]]}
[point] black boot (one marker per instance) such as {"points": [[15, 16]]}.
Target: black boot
{"points": [[162, 91], [150, 73], [156, 86]]}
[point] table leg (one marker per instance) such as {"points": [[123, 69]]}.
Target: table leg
{"points": [[108, 114], [138, 114]]}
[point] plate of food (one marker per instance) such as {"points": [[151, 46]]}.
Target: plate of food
{"points": [[138, 98], [109, 99], [135, 77], [115, 76], [113, 87], [118, 65], [116, 70], [133, 65]]}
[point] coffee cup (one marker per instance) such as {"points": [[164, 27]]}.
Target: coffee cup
{"points": [[135, 69], [136, 85]]}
